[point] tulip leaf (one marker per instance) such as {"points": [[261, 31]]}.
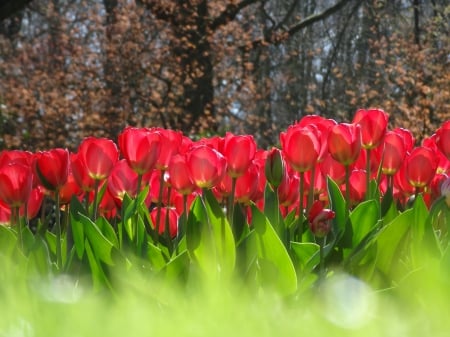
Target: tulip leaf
{"points": [[99, 277], [99, 243], [209, 238], [107, 230], [307, 254], [156, 257], [274, 264], [364, 218], [8, 241], [177, 267], [272, 211], [342, 227], [76, 209], [389, 242]]}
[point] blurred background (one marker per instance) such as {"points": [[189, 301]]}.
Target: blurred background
{"points": [[76, 68]]}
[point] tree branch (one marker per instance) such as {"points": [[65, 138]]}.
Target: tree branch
{"points": [[229, 13], [317, 17]]}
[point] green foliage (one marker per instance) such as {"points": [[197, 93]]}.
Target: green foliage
{"points": [[373, 245]]}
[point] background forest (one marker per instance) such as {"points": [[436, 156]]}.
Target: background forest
{"points": [[74, 68]]}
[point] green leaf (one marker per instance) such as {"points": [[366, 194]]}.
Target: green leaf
{"points": [[209, 238], [177, 267], [307, 254], [337, 204], [98, 275], [76, 209], [156, 257], [107, 230], [272, 211], [8, 241], [100, 245], [364, 218], [389, 241], [275, 265]]}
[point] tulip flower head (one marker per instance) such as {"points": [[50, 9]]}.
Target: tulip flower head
{"points": [[319, 219], [16, 181], [275, 167], [344, 142], [99, 155], [206, 166], [301, 147], [373, 124], [239, 151], [140, 147], [52, 168], [443, 139], [420, 167]]}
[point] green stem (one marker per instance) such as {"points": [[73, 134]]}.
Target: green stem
{"points": [[159, 204], [58, 232], [94, 204], [322, 242], [311, 188], [300, 207], [15, 220], [367, 174], [347, 190], [139, 183], [230, 208]]}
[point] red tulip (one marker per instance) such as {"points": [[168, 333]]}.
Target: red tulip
{"points": [[344, 142], [80, 173], [17, 156], [99, 155], [246, 185], [443, 164], [141, 148], [420, 167], [275, 167], [33, 206], [443, 138], [239, 151], [323, 125], [373, 124], [407, 136], [319, 219], [5, 214], [206, 166], [122, 180], [288, 191], [155, 183], [16, 181], [171, 143], [393, 154], [179, 176], [69, 189], [52, 168], [333, 169], [358, 187], [301, 147], [167, 214], [318, 181], [107, 206]]}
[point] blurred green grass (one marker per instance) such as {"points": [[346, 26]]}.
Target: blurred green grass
{"points": [[340, 306]]}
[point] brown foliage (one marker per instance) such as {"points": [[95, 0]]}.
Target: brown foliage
{"points": [[90, 67]]}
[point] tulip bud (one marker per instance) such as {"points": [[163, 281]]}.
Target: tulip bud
{"points": [[274, 167], [319, 219]]}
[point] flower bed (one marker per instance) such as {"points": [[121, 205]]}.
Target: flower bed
{"points": [[338, 207]]}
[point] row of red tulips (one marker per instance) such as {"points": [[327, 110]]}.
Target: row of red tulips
{"points": [[176, 168]]}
